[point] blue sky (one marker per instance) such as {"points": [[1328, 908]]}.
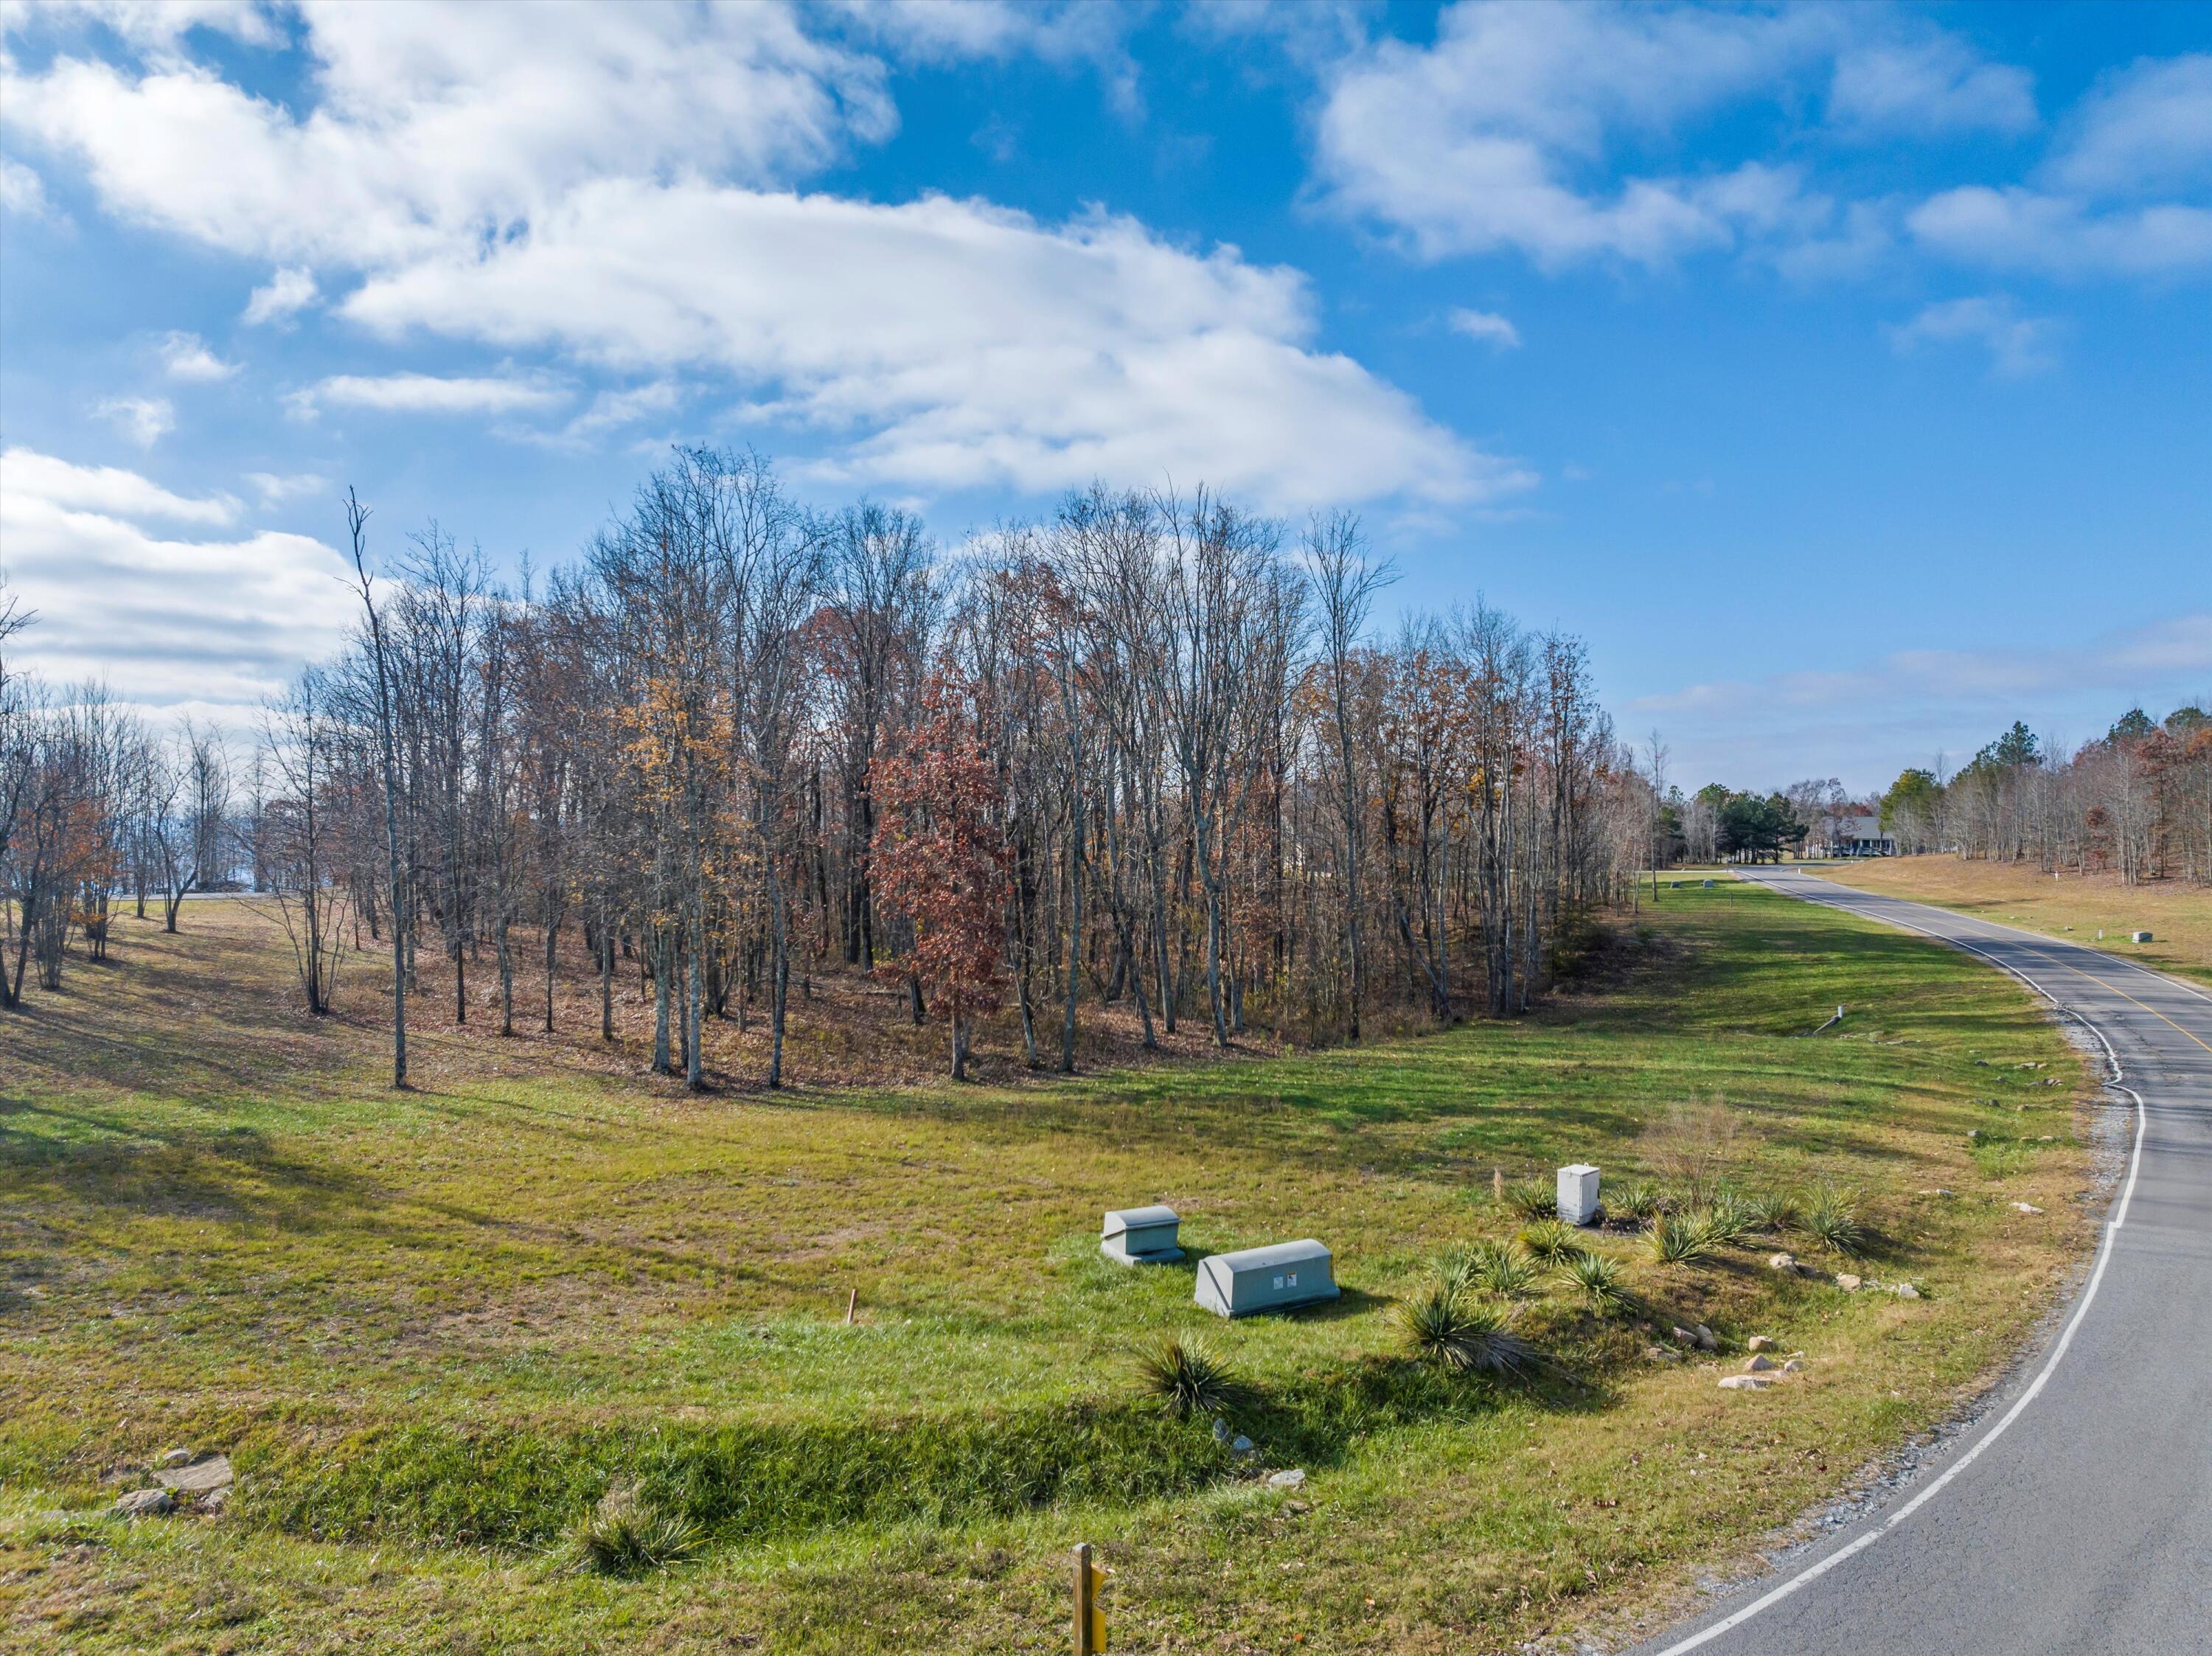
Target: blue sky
{"points": [[1844, 375]]}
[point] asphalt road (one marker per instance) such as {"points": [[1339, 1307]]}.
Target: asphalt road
{"points": [[2077, 1516]]}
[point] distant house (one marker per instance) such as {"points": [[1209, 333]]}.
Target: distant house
{"points": [[1851, 836]]}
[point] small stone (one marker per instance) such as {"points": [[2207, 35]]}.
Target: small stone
{"points": [[1661, 1354], [215, 1500], [1973, 1135], [2025, 1207], [1758, 1343], [199, 1478], [1297, 1508], [1847, 1282], [2046, 1138], [177, 1458], [1292, 1477], [1707, 1340], [1795, 1366], [145, 1503], [1782, 1262], [1745, 1382], [1905, 1291], [1758, 1365], [1240, 1446]]}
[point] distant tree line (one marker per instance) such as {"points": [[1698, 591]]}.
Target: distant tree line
{"points": [[2137, 801], [1144, 753]]}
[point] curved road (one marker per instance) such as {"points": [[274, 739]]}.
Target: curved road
{"points": [[2077, 1516]]}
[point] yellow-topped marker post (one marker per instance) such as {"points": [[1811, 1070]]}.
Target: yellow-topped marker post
{"points": [[1090, 1614]]}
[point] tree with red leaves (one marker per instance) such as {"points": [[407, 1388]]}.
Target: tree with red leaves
{"points": [[940, 856]]}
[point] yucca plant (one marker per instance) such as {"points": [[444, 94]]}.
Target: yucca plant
{"points": [[626, 1535], [1457, 1264], [1187, 1379], [1548, 1241], [1460, 1330], [1531, 1198], [1632, 1199], [1599, 1279], [1773, 1212], [1499, 1267], [1832, 1219], [1679, 1238], [1730, 1218]]}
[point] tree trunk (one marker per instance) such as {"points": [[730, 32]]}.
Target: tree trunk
{"points": [[661, 964], [780, 976]]}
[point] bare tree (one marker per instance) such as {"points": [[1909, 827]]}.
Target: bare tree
{"points": [[357, 529]]}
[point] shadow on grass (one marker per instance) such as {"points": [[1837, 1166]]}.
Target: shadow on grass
{"points": [[519, 1487]]}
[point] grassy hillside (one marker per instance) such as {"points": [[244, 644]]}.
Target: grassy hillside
{"points": [[432, 1329], [2074, 906]]}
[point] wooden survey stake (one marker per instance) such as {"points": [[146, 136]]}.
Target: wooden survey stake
{"points": [[1090, 1614]]}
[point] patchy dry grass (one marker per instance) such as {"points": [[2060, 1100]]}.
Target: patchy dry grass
{"points": [[2072, 905], [434, 1329]]}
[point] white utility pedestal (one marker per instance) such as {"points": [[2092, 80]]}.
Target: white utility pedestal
{"points": [[1578, 1194]]}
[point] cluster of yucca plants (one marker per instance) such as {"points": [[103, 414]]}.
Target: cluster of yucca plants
{"points": [[1679, 1233]]}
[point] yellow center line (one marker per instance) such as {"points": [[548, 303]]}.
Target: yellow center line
{"points": [[2041, 953]]}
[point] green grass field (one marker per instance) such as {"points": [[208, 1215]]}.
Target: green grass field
{"points": [[431, 1329]]}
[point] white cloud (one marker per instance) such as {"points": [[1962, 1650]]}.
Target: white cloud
{"points": [[21, 190], [441, 124], [1935, 83], [186, 356], [1486, 326], [957, 31], [144, 419], [2019, 228], [1867, 722], [1556, 132], [2018, 345], [612, 409], [1483, 141], [2147, 128], [2174, 649], [165, 621], [107, 489], [275, 489], [603, 189], [950, 31], [290, 290], [952, 344], [155, 25], [424, 394]]}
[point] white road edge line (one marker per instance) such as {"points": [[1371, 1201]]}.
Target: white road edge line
{"points": [[1775, 1595]]}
